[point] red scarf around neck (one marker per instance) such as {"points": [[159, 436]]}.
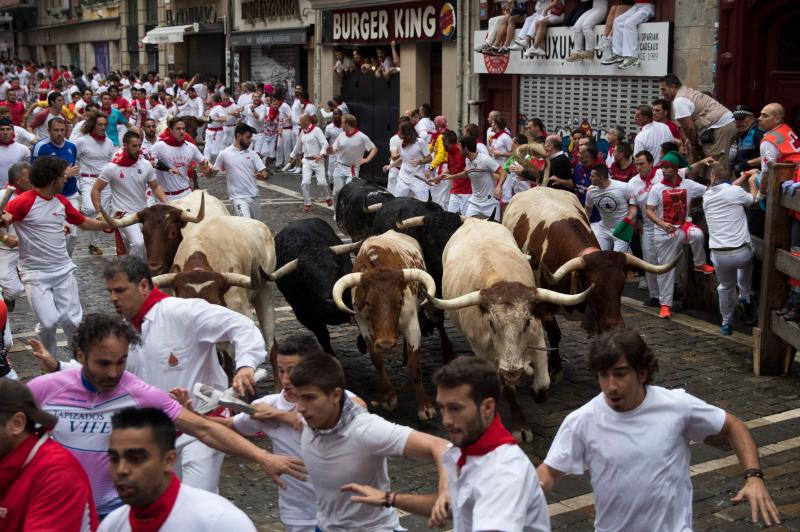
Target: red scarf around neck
{"points": [[98, 138], [168, 138], [10, 142], [153, 298], [272, 114], [224, 104], [354, 131], [309, 130], [495, 436], [122, 158], [152, 517], [497, 134]]}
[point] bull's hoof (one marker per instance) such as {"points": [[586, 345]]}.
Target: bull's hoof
{"points": [[426, 413], [540, 396], [557, 377], [388, 403], [523, 435]]}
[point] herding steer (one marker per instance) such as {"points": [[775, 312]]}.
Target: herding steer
{"points": [[489, 291], [386, 294]]}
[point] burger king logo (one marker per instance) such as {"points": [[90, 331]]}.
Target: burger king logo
{"points": [[496, 63], [447, 21]]}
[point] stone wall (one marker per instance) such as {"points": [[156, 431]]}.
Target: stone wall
{"points": [[694, 53]]}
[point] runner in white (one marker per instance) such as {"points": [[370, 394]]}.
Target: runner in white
{"points": [[11, 152], [285, 142], [45, 267], [232, 114], [296, 113], [611, 197], [500, 144], [150, 137], [219, 117], [414, 155], [486, 188], [128, 176], [242, 167], [425, 126], [332, 131], [94, 152], [349, 149], [393, 168], [313, 146], [193, 104], [272, 131], [640, 186], [156, 110], [176, 152], [254, 114], [19, 181]]}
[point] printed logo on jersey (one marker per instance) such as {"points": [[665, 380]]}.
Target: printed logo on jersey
{"points": [[675, 203], [608, 202]]}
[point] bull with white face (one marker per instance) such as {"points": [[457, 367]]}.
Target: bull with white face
{"points": [[386, 279], [488, 289]]}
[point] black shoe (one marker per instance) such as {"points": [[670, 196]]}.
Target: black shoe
{"points": [[652, 302]]}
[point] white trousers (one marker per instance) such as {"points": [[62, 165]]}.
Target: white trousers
{"points": [[649, 255], [285, 146], [9, 276], [342, 175], [198, 465], [257, 144], [269, 146], [227, 136], [72, 236], [247, 207], [411, 187], [458, 203], [299, 528], [485, 208], [530, 33], [134, 241], [215, 142], [312, 168], [584, 26], [667, 248], [54, 302], [491, 34], [608, 242], [625, 38], [441, 193], [391, 180], [87, 207], [732, 268]]}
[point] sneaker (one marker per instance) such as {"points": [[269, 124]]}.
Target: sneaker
{"points": [[502, 50], [482, 47], [605, 43], [540, 52], [287, 167], [308, 208], [94, 250], [516, 46], [588, 54], [575, 57], [522, 41], [706, 269], [297, 171], [629, 62], [329, 202], [642, 283], [528, 54], [665, 312], [726, 330], [651, 302], [614, 58]]}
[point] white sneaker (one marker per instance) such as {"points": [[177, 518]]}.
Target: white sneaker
{"points": [[522, 42], [614, 58], [642, 283], [540, 52], [604, 44], [515, 46], [629, 62], [297, 170], [287, 167], [529, 53]]}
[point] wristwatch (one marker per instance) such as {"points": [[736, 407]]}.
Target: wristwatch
{"points": [[754, 473]]}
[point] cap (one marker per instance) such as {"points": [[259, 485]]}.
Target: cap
{"points": [[741, 111], [674, 160], [6, 122], [16, 397]]}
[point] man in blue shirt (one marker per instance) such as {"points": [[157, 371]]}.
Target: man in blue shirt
{"points": [[58, 146], [115, 118]]}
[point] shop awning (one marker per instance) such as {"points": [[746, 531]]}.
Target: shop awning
{"points": [[169, 34]]}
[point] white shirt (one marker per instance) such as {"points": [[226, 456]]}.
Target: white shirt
{"points": [[345, 65], [769, 153], [285, 116], [639, 191], [611, 202], [296, 111], [240, 166], [672, 203], [150, 88], [201, 90], [724, 206], [24, 137], [496, 491], [415, 151], [77, 133], [195, 509], [332, 133], [93, 155], [179, 338], [395, 143], [245, 99], [158, 112], [425, 127], [128, 185], [310, 143], [350, 150], [147, 145], [684, 108], [501, 143], [5, 86], [651, 137], [356, 453], [255, 117], [638, 460], [481, 172], [175, 157], [11, 154]]}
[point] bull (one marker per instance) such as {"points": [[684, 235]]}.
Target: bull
{"points": [[356, 206], [490, 292], [550, 226], [311, 258], [165, 226], [386, 294]]}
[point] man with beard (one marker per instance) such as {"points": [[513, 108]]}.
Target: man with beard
{"points": [[85, 398], [242, 167], [176, 152], [492, 484]]}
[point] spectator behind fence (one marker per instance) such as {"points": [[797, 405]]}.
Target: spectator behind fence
{"points": [[744, 153]]}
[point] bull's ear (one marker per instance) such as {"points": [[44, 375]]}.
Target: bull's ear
{"points": [[175, 269]]}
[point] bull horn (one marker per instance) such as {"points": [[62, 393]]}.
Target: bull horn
{"points": [[542, 295], [348, 281], [119, 223], [342, 249], [572, 265], [187, 217], [408, 223], [420, 276], [164, 280], [286, 269], [238, 280], [491, 218], [463, 218], [467, 300], [373, 208], [636, 262]]}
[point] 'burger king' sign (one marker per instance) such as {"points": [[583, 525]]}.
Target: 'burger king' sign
{"points": [[447, 21]]}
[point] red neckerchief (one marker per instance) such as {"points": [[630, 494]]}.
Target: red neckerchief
{"points": [[272, 114], [154, 297], [495, 436], [151, 517], [13, 136], [354, 131], [98, 138], [11, 466], [122, 158], [648, 181], [106, 110], [170, 139], [309, 130], [224, 104], [497, 135]]}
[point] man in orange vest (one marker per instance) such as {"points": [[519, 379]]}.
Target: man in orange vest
{"points": [[781, 145]]}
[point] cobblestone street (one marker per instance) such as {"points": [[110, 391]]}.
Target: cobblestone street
{"points": [[692, 355]]}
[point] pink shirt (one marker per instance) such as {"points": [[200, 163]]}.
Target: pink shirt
{"points": [[84, 422]]}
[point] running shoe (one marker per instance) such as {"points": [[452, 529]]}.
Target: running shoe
{"points": [[706, 269], [726, 330], [614, 58], [539, 52], [665, 312], [642, 283], [516, 46], [629, 62], [307, 208], [287, 167], [297, 170], [94, 250], [528, 54], [329, 202]]}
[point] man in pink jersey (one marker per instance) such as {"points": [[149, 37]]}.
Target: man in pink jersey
{"points": [[40, 216], [84, 399]]}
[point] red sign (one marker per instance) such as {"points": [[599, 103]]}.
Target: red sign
{"points": [[496, 63], [418, 21]]}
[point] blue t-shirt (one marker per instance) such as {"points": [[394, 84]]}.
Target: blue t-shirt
{"points": [[114, 119], [67, 152], [582, 177]]}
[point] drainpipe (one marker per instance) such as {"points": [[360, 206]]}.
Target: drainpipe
{"points": [[462, 6], [317, 96]]}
